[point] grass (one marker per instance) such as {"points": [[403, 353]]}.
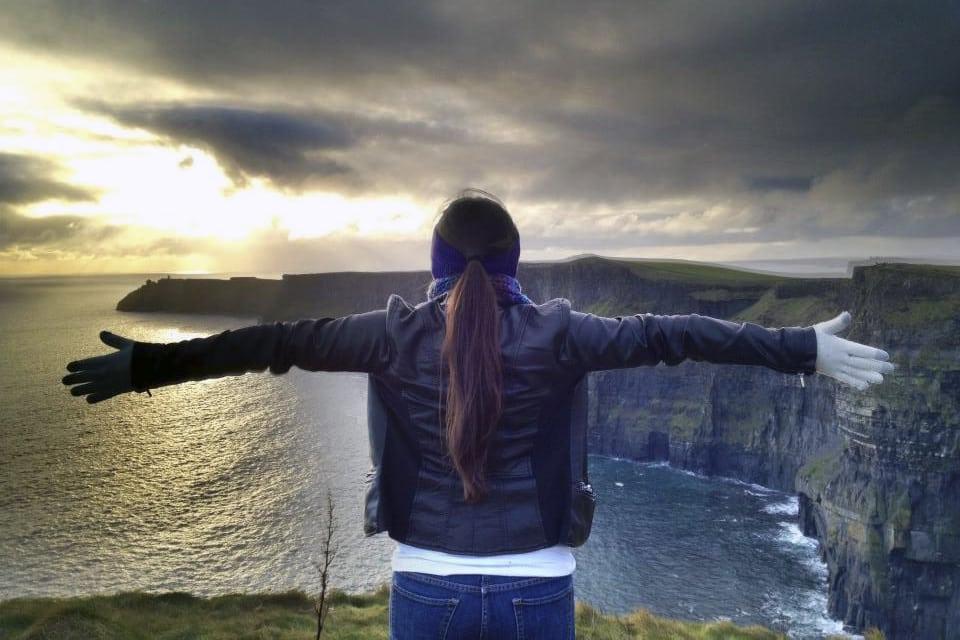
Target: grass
{"points": [[771, 311], [916, 313], [698, 272], [822, 469], [594, 625], [288, 616], [181, 616], [611, 308]]}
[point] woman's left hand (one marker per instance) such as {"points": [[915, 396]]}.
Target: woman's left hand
{"points": [[852, 363], [103, 376]]}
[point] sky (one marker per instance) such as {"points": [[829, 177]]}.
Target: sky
{"points": [[300, 136]]}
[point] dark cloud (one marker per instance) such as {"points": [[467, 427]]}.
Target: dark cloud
{"points": [[284, 147], [801, 119], [292, 148], [205, 44], [25, 179], [780, 183], [17, 230]]}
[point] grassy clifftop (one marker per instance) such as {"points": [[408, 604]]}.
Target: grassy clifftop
{"points": [[287, 616]]}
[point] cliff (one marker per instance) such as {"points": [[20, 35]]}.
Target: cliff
{"points": [[887, 503], [878, 472]]}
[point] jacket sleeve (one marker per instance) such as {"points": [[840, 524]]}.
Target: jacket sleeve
{"points": [[596, 342], [357, 342]]}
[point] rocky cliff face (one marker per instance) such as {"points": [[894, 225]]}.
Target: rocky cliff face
{"points": [[887, 503], [743, 422], [878, 472]]}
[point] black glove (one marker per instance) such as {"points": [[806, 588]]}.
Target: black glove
{"points": [[103, 376]]}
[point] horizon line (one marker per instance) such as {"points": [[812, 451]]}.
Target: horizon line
{"points": [[738, 265]]}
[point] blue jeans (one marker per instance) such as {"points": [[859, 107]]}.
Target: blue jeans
{"points": [[480, 607]]}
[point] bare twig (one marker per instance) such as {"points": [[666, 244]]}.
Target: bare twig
{"points": [[327, 552]]}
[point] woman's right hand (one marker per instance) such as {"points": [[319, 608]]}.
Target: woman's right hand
{"points": [[105, 376]]}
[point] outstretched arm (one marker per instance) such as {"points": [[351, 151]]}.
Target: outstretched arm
{"points": [[357, 342], [595, 343]]}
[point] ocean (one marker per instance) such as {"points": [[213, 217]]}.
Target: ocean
{"points": [[218, 486]]}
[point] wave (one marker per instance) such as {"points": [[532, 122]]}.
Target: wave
{"points": [[657, 464], [802, 612], [789, 507], [751, 487], [791, 534]]}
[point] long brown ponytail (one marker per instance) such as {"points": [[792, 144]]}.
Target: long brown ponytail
{"points": [[471, 352]]}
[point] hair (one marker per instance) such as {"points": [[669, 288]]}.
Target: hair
{"points": [[471, 354]]}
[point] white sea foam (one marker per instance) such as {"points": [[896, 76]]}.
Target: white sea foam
{"points": [[658, 464], [816, 566], [688, 472], [803, 613], [817, 601], [751, 487], [791, 534], [619, 484], [789, 507], [758, 488]]}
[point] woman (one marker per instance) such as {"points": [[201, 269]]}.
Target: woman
{"points": [[477, 417]]}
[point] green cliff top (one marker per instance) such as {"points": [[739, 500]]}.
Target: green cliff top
{"points": [[700, 273]]}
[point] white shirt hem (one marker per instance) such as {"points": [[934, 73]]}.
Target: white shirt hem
{"points": [[549, 562]]}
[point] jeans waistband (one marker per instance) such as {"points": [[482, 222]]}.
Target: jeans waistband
{"points": [[477, 583]]}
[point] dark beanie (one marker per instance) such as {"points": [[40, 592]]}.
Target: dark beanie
{"points": [[474, 228]]}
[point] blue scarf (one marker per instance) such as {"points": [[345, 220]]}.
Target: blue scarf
{"points": [[507, 288]]}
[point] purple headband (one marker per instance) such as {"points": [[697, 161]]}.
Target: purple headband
{"points": [[446, 260]]}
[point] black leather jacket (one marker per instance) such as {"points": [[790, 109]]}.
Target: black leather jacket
{"points": [[539, 487]]}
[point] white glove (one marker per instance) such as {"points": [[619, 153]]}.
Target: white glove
{"points": [[850, 362]]}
